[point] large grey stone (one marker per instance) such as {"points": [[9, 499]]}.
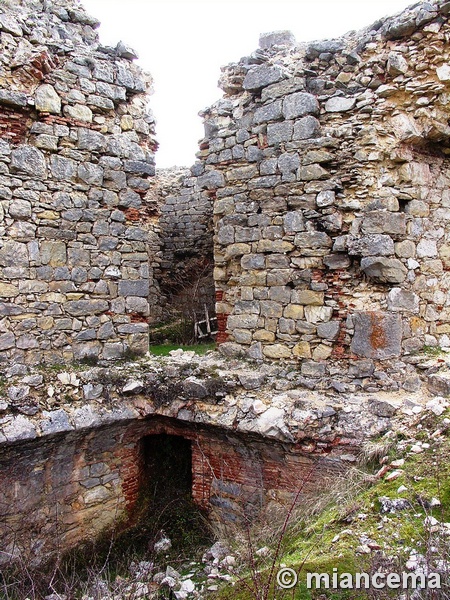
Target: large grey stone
{"points": [[293, 221], [78, 308], [7, 340], [55, 421], [211, 180], [10, 25], [279, 132], [130, 287], [194, 388], [370, 245], [306, 128], [19, 428], [397, 64], [382, 221], [29, 161], [337, 261], [314, 49], [439, 385], [313, 239], [242, 321], [300, 104], [276, 38], [46, 99], [11, 98], [262, 76], [268, 112], [312, 172], [339, 104], [91, 140], [328, 331], [90, 173], [140, 167], [384, 270], [14, 254], [403, 300], [378, 335], [63, 168]]}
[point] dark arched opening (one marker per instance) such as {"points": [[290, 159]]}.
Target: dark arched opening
{"points": [[167, 467]]}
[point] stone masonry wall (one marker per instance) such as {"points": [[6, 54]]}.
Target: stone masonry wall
{"points": [[186, 230], [76, 153], [328, 164], [69, 488]]}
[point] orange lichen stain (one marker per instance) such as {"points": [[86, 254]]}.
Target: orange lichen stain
{"points": [[377, 332]]}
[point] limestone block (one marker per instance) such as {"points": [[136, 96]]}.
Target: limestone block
{"points": [[299, 105], [53, 253], [242, 336], [276, 38], [427, 248], [28, 161], [11, 98], [308, 297], [112, 350], [63, 168], [46, 99], [312, 172], [339, 104], [375, 244], [14, 254], [313, 239], [378, 335], [268, 112], [7, 340], [379, 221], [322, 352], [276, 351], [8, 290], [279, 132], [78, 112], [312, 369], [318, 314], [337, 261], [10, 25], [242, 322], [78, 308], [385, 270], [302, 350], [253, 261], [328, 331], [262, 76], [293, 221], [403, 300], [397, 64], [263, 335], [90, 140], [270, 308], [276, 246], [294, 311], [306, 128], [237, 250], [405, 249], [55, 421], [443, 73]]}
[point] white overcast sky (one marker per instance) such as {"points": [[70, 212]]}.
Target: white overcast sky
{"points": [[183, 44]]}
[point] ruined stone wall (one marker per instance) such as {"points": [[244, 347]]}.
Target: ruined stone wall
{"points": [[186, 232], [76, 152], [329, 167], [69, 488]]}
